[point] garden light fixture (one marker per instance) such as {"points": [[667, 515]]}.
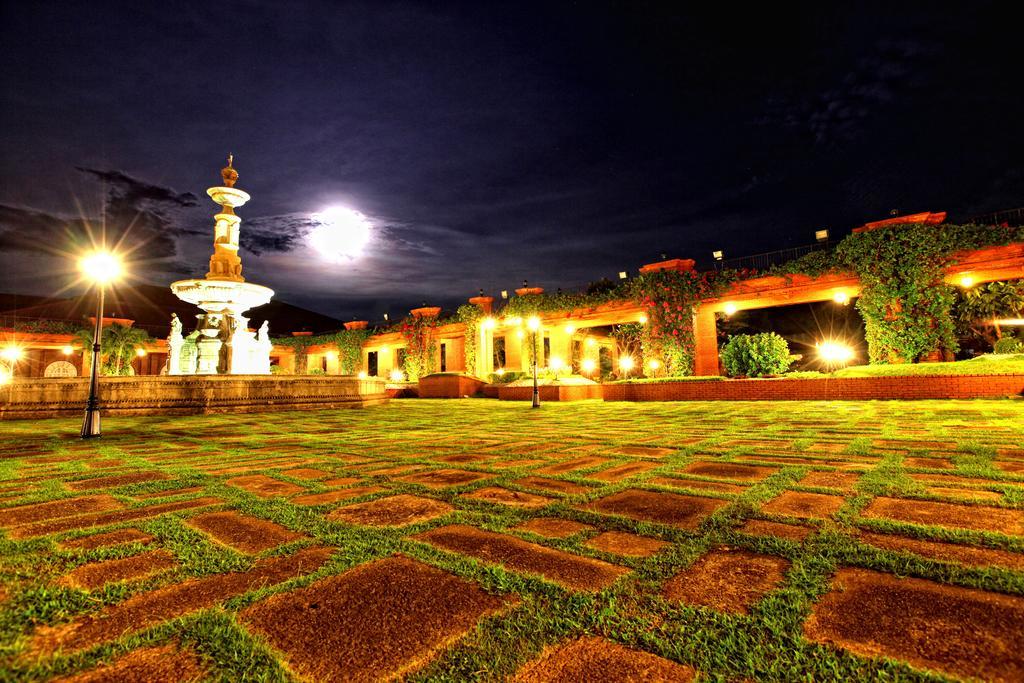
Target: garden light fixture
{"points": [[626, 363], [588, 366], [397, 375], [966, 281], [102, 267], [729, 308], [832, 352], [841, 298]]}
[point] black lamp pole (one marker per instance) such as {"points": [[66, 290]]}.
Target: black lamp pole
{"points": [[536, 391], [91, 423]]}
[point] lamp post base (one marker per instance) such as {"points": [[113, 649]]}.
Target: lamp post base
{"points": [[536, 399], [91, 424]]}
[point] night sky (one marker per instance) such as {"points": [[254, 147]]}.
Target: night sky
{"points": [[490, 142]]}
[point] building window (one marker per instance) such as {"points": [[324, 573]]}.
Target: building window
{"points": [[547, 351], [499, 353], [444, 357], [371, 364]]}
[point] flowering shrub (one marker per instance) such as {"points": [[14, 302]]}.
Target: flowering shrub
{"points": [[756, 355]]}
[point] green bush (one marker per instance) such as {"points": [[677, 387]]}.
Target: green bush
{"points": [[756, 355], [1008, 345]]}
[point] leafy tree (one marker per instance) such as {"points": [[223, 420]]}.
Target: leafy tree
{"points": [[118, 347], [976, 309]]}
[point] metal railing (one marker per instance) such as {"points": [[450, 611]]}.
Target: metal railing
{"points": [[772, 258], [1012, 217]]}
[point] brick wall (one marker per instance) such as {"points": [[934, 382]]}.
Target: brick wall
{"points": [[576, 392], [847, 388], [449, 386]]}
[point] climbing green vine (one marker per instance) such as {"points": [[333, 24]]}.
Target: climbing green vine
{"points": [[348, 344], [421, 343], [470, 315]]}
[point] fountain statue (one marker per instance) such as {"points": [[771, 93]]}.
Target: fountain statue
{"points": [[221, 342]]}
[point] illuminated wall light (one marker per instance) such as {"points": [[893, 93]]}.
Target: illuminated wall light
{"points": [[67, 350], [570, 329], [654, 364], [834, 352], [966, 281], [397, 376], [500, 372], [821, 235], [841, 298], [332, 356], [362, 374], [591, 341], [385, 316], [729, 308], [140, 352], [490, 323], [11, 353], [520, 334], [643, 319], [514, 320], [717, 255], [626, 363], [556, 363], [623, 275], [588, 366], [504, 294], [533, 323], [384, 349]]}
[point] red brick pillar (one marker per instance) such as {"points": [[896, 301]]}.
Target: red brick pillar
{"points": [[705, 333]]}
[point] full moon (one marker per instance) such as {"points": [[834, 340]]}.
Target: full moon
{"points": [[340, 234]]}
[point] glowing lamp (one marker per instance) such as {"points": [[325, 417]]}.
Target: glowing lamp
{"points": [[729, 308], [643, 319], [500, 372], [834, 352], [623, 275], [966, 281], [841, 298], [11, 353], [520, 334], [362, 374], [100, 266], [591, 342], [533, 323], [384, 349], [556, 363], [489, 323], [654, 364], [514, 320], [626, 363], [67, 350], [589, 366], [570, 329], [140, 352], [332, 356], [397, 375]]}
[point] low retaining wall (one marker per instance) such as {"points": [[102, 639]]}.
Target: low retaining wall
{"points": [[449, 385], [824, 389], [572, 392], [188, 395]]}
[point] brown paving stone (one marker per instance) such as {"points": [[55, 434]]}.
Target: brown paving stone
{"points": [[832, 480], [966, 494], [621, 543], [728, 470], [305, 473], [764, 527], [340, 481], [57, 509], [398, 510], [518, 462], [699, 484], [460, 458], [119, 480], [574, 464], [335, 496], [241, 532], [147, 609], [378, 621], [955, 480], [571, 571], [643, 451], [168, 493], [443, 478], [498, 494], [97, 574], [674, 509], [727, 580], [799, 504], [107, 539], [264, 486], [978, 517], [166, 664], [553, 485], [962, 632], [104, 463], [596, 660], [928, 463], [104, 518], [945, 552], [782, 460], [551, 527], [1010, 467], [624, 471]]}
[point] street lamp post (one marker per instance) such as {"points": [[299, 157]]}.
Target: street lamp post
{"points": [[534, 324], [101, 268]]}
